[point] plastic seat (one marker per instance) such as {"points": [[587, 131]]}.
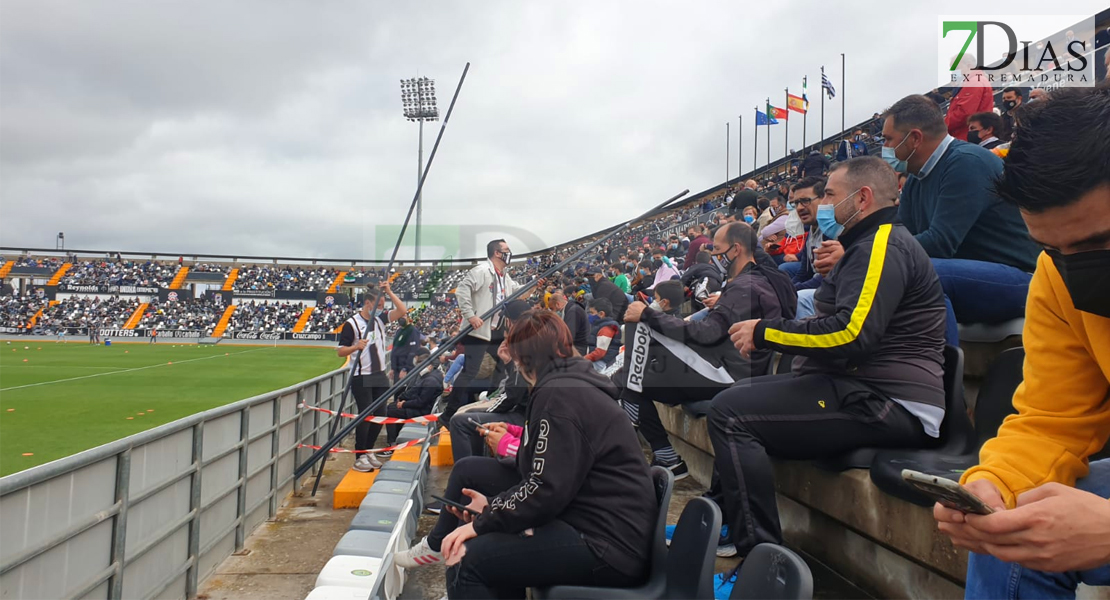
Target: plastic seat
{"points": [[955, 429], [375, 518], [772, 572], [363, 543], [656, 583], [351, 571], [990, 332], [959, 452]]}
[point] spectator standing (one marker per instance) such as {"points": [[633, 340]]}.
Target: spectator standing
{"points": [[406, 343], [484, 286], [975, 96], [979, 245], [815, 165], [1051, 526], [697, 240], [1011, 100]]}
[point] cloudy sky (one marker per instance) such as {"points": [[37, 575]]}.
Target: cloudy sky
{"points": [[275, 127]]}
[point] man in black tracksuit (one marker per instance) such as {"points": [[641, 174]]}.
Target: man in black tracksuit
{"points": [[603, 288], [870, 366], [416, 399], [670, 360]]}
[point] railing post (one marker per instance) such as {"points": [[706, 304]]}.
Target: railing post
{"points": [[275, 449], [297, 433], [119, 525], [241, 510], [191, 578]]}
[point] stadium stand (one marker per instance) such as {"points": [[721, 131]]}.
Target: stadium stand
{"points": [[285, 278], [116, 272], [265, 317], [201, 315], [82, 312]]}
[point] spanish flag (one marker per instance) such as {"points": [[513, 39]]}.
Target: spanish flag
{"points": [[796, 103]]}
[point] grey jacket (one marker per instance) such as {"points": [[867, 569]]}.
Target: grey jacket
{"points": [[476, 294]]}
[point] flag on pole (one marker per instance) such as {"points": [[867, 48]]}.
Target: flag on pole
{"points": [[805, 98], [761, 119], [796, 103], [827, 86], [776, 113]]}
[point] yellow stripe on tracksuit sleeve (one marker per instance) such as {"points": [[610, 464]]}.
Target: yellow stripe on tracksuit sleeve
{"points": [[859, 314]]}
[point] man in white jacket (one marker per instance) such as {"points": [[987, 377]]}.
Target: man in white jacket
{"points": [[483, 286]]}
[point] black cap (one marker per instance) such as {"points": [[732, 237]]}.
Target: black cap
{"points": [[593, 271], [515, 308]]}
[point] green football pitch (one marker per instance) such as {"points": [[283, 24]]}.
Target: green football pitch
{"points": [[58, 399]]}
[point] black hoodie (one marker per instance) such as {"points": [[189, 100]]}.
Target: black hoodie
{"points": [[581, 463]]}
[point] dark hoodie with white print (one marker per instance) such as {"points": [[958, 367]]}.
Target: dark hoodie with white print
{"points": [[581, 463]]}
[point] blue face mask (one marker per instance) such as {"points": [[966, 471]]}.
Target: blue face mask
{"points": [[749, 219], [891, 157], [826, 218], [789, 206], [592, 319]]}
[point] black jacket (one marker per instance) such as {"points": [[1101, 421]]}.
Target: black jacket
{"points": [[880, 316], [517, 392], [758, 292], [575, 318], [422, 395], [609, 290], [815, 164], [699, 272], [581, 463]]}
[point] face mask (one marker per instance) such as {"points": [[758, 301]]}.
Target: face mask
{"points": [[749, 219], [789, 206], [1087, 277], [973, 136], [890, 155], [826, 218], [1010, 105], [655, 306], [723, 263], [592, 319]]}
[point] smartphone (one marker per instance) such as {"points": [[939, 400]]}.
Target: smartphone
{"points": [[477, 424], [949, 493], [456, 505]]}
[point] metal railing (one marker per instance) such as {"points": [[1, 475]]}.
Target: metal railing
{"points": [[153, 514]]}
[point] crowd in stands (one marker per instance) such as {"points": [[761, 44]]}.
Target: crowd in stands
{"points": [[274, 277], [120, 272], [77, 313], [16, 310], [31, 262], [199, 315], [276, 317], [326, 319], [210, 268]]}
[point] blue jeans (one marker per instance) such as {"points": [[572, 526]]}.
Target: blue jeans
{"points": [[988, 577], [983, 292], [790, 268], [806, 308]]}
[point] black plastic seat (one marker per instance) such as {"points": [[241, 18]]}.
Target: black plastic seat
{"points": [[955, 429], [657, 579], [771, 572], [956, 455]]}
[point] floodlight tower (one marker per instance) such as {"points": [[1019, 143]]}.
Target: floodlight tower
{"points": [[418, 98]]}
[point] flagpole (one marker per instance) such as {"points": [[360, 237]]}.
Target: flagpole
{"points": [[755, 142], [843, 94], [786, 136], [740, 148], [728, 148], [805, 105], [822, 142], [768, 131]]}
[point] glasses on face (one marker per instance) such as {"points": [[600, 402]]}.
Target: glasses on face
{"points": [[803, 201]]}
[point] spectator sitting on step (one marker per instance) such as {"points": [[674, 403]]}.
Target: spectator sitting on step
{"points": [[579, 483], [417, 399], [676, 362], [979, 245], [870, 365], [1051, 526], [604, 343]]}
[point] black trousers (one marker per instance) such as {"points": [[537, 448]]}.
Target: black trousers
{"points": [[366, 389], [392, 431], [666, 377], [504, 565], [462, 392], [793, 417], [484, 475]]}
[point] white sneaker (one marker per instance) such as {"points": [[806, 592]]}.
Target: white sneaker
{"points": [[418, 556], [366, 463]]}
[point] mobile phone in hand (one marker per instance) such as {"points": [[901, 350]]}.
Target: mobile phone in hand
{"points": [[947, 492], [456, 505], [477, 424]]}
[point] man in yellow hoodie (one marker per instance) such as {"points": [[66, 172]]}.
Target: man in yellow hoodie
{"points": [[1051, 528]]}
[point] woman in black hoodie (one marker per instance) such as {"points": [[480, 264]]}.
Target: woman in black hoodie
{"points": [[583, 510]]}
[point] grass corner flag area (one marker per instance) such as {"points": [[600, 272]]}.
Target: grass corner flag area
{"points": [[58, 399]]}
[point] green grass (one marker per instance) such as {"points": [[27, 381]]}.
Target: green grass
{"points": [[80, 396]]}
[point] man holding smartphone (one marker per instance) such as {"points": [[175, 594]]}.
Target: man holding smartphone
{"points": [[1051, 527]]}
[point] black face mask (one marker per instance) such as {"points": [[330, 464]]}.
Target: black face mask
{"points": [[1009, 104], [1087, 277], [973, 136]]}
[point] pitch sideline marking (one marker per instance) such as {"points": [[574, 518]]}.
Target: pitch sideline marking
{"points": [[19, 387]]}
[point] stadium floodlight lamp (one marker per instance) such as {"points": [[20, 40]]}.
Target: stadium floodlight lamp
{"points": [[418, 102]]}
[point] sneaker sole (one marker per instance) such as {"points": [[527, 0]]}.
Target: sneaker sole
{"points": [[728, 551], [681, 476]]}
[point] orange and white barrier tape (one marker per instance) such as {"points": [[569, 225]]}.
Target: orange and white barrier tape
{"points": [[423, 420], [400, 446]]}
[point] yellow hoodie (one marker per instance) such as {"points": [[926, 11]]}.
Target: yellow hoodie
{"points": [[1063, 404]]}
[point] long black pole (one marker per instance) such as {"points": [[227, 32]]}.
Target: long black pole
{"points": [[740, 148], [728, 148], [392, 259], [755, 143], [822, 142], [805, 105], [769, 131], [786, 134], [843, 95], [450, 344]]}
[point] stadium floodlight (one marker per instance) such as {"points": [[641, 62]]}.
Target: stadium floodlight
{"points": [[418, 101]]}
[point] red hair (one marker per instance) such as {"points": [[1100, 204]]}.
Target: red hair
{"points": [[537, 339]]}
